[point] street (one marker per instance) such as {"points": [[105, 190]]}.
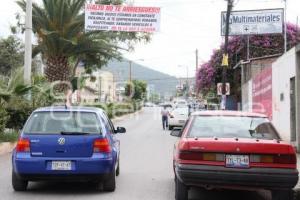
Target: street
{"points": [[146, 170]]}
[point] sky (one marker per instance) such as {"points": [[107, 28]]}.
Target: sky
{"points": [[186, 25]]}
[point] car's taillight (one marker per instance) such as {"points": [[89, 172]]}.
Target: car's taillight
{"points": [[23, 145], [278, 159], [285, 159], [102, 145], [200, 156], [190, 155]]}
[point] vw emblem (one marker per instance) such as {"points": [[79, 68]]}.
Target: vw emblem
{"points": [[238, 149], [61, 141]]}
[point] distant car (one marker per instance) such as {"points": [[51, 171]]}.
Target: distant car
{"points": [[233, 150], [68, 144], [178, 117], [149, 104], [181, 104]]}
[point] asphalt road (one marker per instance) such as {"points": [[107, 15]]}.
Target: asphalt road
{"points": [[146, 171]]}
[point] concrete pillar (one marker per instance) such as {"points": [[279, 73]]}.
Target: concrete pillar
{"points": [[298, 96]]}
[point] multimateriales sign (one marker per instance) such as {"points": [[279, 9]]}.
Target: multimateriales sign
{"points": [[121, 18], [251, 22]]}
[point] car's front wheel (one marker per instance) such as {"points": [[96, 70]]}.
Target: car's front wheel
{"points": [[18, 184], [181, 190], [109, 184], [283, 195]]}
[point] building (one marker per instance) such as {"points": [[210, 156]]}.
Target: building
{"points": [[98, 87], [271, 85]]}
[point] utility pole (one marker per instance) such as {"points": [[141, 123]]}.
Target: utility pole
{"points": [[225, 55], [28, 43], [285, 26]]}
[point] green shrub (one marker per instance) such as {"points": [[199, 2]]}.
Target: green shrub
{"points": [[11, 136], [17, 117], [3, 119]]}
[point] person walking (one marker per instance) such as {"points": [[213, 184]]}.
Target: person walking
{"points": [[165, 116]]}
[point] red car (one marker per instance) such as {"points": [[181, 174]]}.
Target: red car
{"points": [[233, 150]]}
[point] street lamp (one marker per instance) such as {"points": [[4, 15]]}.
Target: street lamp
{"points": [[130, 73], [187, 79], [28, 43], [130, 68]]}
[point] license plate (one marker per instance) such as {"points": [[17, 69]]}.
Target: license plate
{"points": [[182, 121], [237, 161], [61, 165]]}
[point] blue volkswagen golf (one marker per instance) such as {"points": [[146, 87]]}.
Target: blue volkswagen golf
{"points": [[67, 144]]}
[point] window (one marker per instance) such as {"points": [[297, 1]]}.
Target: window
{"points": [[57, 122], [230, 126]]}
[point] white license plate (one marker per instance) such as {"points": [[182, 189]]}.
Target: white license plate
{"points": [[237, 161], [61, 165]]}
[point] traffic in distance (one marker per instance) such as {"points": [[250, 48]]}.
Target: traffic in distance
{"points": [[215, 149]]}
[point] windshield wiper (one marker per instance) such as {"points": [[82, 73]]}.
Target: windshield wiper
{"points": [[73, 133]]}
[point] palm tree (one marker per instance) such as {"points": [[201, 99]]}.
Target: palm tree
{"points": [[59, 28]]}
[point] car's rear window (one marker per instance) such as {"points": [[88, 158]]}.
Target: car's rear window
{"points": [[231, 126], [58, 122]]}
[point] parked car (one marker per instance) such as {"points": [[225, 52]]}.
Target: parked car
{"points": [[178, 117], [68, 144], [233, 150]]}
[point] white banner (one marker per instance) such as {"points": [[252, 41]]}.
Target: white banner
{"points": [[252, 22], [122, 18]]}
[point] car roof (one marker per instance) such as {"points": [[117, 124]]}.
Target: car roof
{"points": [[228, 113], [72, 108]]}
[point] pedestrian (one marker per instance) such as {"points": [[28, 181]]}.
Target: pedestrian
{"points": [[165, 115]]}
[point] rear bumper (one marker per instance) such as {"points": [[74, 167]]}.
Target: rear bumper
{"points": [[221, 177], [39, 168], [174, 122]]}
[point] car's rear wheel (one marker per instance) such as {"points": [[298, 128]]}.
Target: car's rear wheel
{"points": [[18, 184], [109, 184], [170, 128], [283, 195], [181, 190]]}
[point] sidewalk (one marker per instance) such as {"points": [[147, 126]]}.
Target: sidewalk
{"points": [[298, 166]]}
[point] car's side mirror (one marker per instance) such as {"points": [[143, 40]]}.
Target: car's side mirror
{"points": [[176, 132], [120, 130]]}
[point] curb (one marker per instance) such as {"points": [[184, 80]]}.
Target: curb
{"points": [[7, 147], [118, 119]]}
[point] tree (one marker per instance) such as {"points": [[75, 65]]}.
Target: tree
{"points": [[136, 90], [210, 73], [63, 43], [11, 54]]}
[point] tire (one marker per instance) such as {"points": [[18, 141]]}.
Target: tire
{"points": [[181, 190], [170, 128], [18, 184], [109, 185], [283, 195], [118, 169]]}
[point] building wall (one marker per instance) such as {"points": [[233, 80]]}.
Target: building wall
{"points": [[247, 96], [283, 70]]}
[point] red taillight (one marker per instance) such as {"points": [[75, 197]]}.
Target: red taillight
{"points": [[190, 155], [102, 145], [285, 159], [23, 145], [277, 159]]}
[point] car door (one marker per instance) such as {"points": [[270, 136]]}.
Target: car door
{"points": [[112, 136]]}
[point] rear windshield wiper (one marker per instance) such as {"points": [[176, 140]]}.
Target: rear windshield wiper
{"points": [[73, 133]]}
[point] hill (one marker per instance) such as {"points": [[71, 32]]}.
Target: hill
{"points": [[159, 82]]}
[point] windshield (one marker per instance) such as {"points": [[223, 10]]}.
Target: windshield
{"points": [[60, 122], [228, 127]]}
